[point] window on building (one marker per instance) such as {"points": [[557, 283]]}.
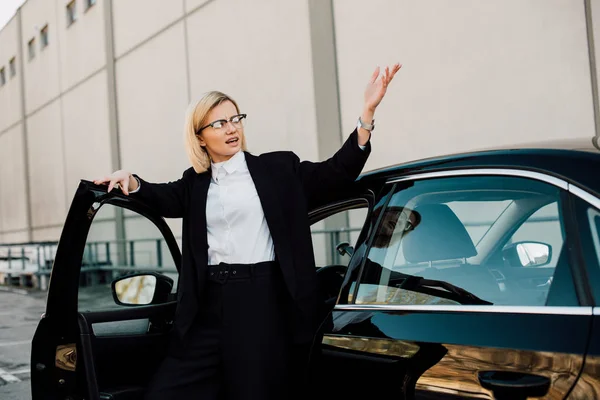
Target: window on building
{"points": [[2, 76], [12, 67], [71, 13], [89, 3], [44, 36], [31, 48]]}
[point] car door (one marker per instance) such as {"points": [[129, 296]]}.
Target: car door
{"points": [[469, 286], [97, 340]]}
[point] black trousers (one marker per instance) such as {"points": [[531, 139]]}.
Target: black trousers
{"points": [[240, 345]]}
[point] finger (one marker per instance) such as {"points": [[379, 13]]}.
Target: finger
{"points": [[125, 186], [375, 75], [396, 69], [386, 79], [111, 185], [99, 181]]}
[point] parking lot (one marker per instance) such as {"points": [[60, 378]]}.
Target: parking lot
{"points": [[19, 315]]}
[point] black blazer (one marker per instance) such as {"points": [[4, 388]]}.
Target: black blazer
{"points": [[287, 189]]}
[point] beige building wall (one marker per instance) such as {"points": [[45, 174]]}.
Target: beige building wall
{"points": [[265, 63], [86, 135], [593, 15], [82, 44], [475, 73], [12, 185], [13, 199], [152, 97], [10, 93], [137, 20], [46, 167], [42, 79]]}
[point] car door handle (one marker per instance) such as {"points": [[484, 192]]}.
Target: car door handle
{"points": [[514, 385]]}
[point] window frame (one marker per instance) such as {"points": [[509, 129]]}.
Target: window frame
{"points": [[31, 49], [44, 38], [569, 190], [89, 4], [71, 9], [12, 67]]}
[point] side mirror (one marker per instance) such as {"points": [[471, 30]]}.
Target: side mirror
{"points": [[345, 248], [141, 289], [527, 254]]}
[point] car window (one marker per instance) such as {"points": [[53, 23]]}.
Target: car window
{"points": [[106, 258], [465, 240], [328, 233]]}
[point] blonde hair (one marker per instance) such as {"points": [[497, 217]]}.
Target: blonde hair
{"points": [[195, 118]]}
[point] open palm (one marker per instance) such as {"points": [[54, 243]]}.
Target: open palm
{"points": [[376, 88]]}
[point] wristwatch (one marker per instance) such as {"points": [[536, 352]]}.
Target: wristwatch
{"points": [[364, 125]]}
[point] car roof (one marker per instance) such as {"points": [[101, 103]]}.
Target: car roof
{"points": [[575, 160]]}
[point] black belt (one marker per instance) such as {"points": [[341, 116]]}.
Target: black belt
{"points": [[222, 272]]}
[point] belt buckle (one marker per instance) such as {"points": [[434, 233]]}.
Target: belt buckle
{"points": [[223, 273]]}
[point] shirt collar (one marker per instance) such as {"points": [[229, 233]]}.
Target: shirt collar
{"points": [[237, 162]]}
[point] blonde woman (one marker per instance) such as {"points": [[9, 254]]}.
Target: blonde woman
{"points": [[247, 300]]}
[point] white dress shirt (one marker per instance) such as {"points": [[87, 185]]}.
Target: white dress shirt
{"points": [[236, 226], [237, 230]]}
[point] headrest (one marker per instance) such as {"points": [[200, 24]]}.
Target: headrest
{"points": [[439, 236]]}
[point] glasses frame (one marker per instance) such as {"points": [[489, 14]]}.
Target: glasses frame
{"points": [[223, 121]]}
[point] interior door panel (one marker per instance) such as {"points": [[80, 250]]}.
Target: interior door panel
{"points": [[125, 347]]}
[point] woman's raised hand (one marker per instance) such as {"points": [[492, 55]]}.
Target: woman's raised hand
{"points": [[376, 88], [120, 178]]}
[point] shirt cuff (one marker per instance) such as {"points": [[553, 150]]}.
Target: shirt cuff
{"points": [[365, 146], [139, 185]]}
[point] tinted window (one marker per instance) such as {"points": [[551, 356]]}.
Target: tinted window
{"points": [[466, 240]]}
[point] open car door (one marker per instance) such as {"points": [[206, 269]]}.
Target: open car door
{"points": [[111, 300]]}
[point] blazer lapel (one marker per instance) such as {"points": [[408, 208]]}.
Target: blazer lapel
{"points": [[269, 199], [197, 220]]}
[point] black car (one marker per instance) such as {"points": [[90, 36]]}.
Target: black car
{"points": [[474, 275]]}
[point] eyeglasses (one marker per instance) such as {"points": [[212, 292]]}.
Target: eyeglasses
{"points": [[237, 121]]}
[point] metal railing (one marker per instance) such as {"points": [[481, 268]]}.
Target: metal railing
{"points": [[30, 264]]}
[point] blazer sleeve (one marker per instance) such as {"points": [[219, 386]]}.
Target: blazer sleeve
{"points": [[169, 199], [322, 180]]}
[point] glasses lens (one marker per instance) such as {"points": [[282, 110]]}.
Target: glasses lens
{"points": [[237, 120], [217, 124]]}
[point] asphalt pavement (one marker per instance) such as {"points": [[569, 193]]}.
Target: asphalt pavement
{"points": [[19, 316]]}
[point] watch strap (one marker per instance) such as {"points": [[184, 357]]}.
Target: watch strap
{"points": [[367, 126]]}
